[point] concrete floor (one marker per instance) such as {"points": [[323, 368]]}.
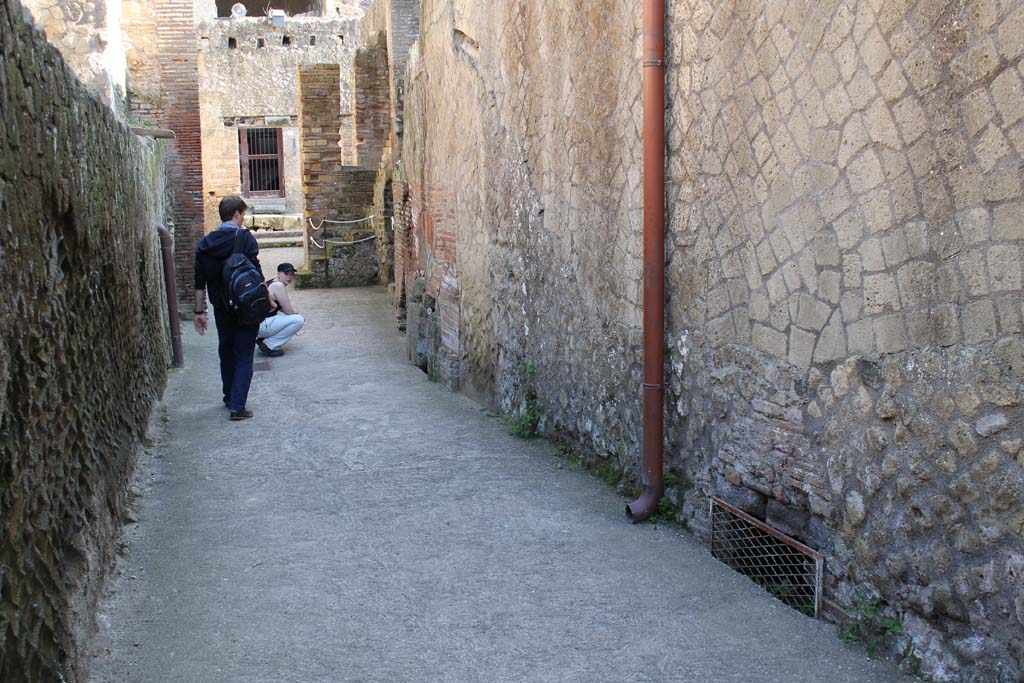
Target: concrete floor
{"points": [[367, 525]]}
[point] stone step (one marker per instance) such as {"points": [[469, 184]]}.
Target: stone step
{"points": [[267, 234], [272, 242]]}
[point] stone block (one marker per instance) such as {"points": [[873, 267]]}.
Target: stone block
{"points": [[865, 172], [974, 64], [1010, 35], [856, 510], [922, 157], [871, 255], [855, 138], [788, 520], [916, 284], [1004, 267], [750, 501], [860, 337], [894, 248], [829, 286], [960, 435], [987, 425], [975, 272], [979, 321], [791, 275], [832, 343], [1008, 95], [812, 314], [1011, 320], [849, 229], [852, 268], [801, 347], [937, 325], [977, 111], [989, 150], [877, 209], [826, 249], [880, 293], [1008, 222], [890, 334], [769, 341], [1002, 186]]}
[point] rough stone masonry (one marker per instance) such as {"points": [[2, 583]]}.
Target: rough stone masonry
{"points": [[846, 220], [84, 347]]}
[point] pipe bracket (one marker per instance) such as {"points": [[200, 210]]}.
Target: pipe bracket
{"points": [[654, 62], [659, 387]]}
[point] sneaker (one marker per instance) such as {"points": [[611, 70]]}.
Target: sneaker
{"points": [[240, 415], [267, 351]]}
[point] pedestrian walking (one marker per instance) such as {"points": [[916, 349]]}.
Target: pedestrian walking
{"points": [[236, 341]]}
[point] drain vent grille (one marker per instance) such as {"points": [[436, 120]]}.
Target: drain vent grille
{"points": [[783, 566]]}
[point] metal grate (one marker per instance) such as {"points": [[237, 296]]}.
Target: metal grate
{"points": [[260, 160], [783, 566]]}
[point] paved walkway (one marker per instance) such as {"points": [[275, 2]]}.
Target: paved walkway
{"points": [[368, 525]]}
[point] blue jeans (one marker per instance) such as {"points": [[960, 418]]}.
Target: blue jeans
{"points": [[236, 346]]}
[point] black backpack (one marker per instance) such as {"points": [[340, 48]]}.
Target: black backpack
{"points": [[245, 293]]}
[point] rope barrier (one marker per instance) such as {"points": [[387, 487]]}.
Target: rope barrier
{"points": [[325, 220], [327, 241]]}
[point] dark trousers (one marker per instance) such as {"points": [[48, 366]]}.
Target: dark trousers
{"points": [[237, 345]]}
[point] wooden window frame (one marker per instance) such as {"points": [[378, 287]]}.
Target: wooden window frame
{"points": [[244, 157]]}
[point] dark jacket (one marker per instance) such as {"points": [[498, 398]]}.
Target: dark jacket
{"points": [[211, 253]]}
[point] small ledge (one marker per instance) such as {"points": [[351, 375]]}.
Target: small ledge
{"points": [[152, 132]]}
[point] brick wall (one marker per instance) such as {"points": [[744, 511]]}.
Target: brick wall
{"points": [[371, 105], [83, 352], [332, 191], [398, 22], [179, 111], [429, 251]]}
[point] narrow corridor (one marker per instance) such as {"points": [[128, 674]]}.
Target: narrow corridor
{"points": [[368, 525]]}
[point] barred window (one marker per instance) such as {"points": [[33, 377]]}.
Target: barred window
{"points": [[261, 162]]}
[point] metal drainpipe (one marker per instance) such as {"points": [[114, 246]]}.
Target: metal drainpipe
{"points": [[654, 261], [172, 296]]}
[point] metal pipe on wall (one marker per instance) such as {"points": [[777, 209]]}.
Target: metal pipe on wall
{"points": [[652, 474], [167, 249]]}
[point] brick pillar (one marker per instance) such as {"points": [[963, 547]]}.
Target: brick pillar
{"points": [[371, 103], [179, 111], [319, 87]]}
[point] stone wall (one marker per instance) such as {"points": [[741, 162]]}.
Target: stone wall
{"points": [[844, 272], [248, 77], [849, 201], [88, 34], [139, 34], [83, 349]]}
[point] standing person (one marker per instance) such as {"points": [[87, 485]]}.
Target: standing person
{"points": [[276, 330], [236, 342]]}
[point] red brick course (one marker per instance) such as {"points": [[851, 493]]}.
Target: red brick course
{"points": [[179, 111]]}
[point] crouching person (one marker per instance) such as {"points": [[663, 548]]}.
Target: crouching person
{"points": [[276, 330]]}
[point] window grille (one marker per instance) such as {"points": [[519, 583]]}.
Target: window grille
{"points": [[261, 162], [781, 565]]}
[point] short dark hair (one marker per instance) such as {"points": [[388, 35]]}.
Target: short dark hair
{"points": [[229, 205]]}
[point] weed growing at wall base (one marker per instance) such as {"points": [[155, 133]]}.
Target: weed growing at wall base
{"points": [[526, 423], [868, 627]]}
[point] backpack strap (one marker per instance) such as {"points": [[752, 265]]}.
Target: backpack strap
{"points": [[239, 241]]}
